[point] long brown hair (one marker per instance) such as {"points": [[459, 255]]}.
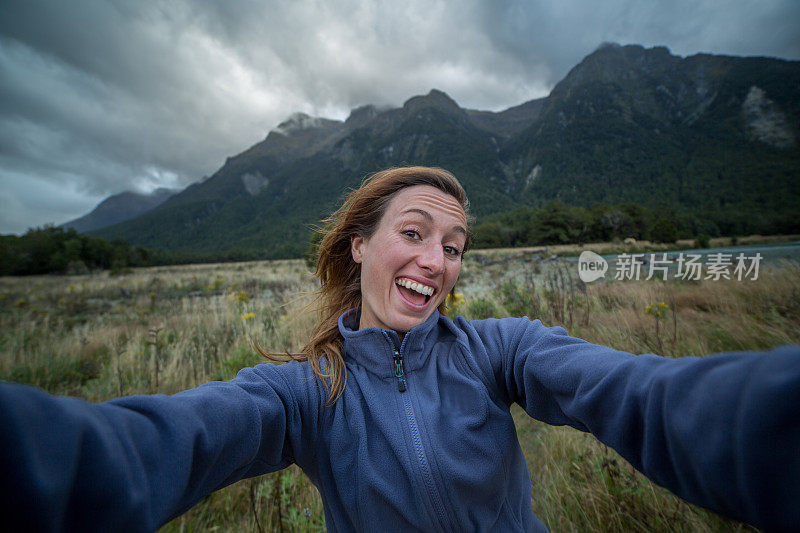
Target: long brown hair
{"points": [[340, 276]]}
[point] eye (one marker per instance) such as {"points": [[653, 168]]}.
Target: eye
{"points": [[452, 250], [412, 234]]}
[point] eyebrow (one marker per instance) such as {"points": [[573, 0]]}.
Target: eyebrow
{"points": [[427, 216]]}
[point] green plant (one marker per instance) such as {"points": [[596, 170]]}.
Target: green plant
{"points": [[242, 357], [658, 311], [519, 300], [481, 308], [702, 241], [664, 230]]}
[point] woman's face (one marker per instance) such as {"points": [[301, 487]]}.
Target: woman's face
{"points": [[412, 260]]}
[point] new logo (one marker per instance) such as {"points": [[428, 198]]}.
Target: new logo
{"points": [[591, 266]]}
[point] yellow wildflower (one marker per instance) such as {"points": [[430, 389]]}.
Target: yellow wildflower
{"points": [[657, 310], [454, 300]]}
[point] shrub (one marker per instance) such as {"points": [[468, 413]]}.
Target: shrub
{"points": [[702, 241], [519, 300], [481, 308], [664, 230]]}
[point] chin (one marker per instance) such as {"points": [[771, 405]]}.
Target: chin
{"points": [[406, 323]]}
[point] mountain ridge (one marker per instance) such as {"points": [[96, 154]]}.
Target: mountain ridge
{"points": [[118, 208], [625, 122]]}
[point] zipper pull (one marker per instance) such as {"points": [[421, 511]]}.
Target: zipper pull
{"points": [[398, 371]]}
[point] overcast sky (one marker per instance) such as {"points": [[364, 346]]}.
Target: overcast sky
{"points": [[98, 97]]}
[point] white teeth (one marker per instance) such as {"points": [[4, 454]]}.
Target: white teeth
{"points": [[414, 286]]}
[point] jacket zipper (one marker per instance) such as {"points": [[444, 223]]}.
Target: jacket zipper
{"points": [[398, 371], [427, 475]]}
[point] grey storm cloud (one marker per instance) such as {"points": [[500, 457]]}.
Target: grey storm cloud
{"points": [[100, 97]]}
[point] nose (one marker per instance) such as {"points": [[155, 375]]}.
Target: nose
{"points": [[431, 258]]}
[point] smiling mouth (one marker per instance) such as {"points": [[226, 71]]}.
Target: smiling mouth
{"points": [[415, 292]]}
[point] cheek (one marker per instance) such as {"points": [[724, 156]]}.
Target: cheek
{"points": [[388, 259], [454, 271], [369, 279], [378, 270], [451, 277]]}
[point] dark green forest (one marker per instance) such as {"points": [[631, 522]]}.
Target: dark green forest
{"points": [[50, 250]]}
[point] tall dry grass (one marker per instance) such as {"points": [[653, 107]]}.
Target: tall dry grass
{"points": [[165, 330], [170, 328]]}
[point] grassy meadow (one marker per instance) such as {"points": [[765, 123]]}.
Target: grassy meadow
{"points": [[166, 329]]}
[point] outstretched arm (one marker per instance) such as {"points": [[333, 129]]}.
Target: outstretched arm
{"points": [[133, 463], [721, 431]]}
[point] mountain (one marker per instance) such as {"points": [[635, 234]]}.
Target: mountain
{"points": [[704, 132], [119, 208], [713, 136], [262, 202]]}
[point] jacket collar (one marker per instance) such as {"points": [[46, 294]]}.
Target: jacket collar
{"points": [[373, 348]]}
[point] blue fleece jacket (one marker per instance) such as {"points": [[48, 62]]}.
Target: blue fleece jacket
{"points": [[421, 438]]}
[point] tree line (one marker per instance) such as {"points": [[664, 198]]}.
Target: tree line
{"points": [[557, 223], [55, 250]]}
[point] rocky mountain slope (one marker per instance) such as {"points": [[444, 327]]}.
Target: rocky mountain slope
{"points": [[715, 135]]}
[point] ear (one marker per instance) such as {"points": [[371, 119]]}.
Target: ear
{"points": [[357, 247]]}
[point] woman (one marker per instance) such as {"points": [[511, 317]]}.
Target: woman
{"points": [[399, 415]]}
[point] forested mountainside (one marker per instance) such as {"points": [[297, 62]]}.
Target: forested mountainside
{"points": [[708, 137]]}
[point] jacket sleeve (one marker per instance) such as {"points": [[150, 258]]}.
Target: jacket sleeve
{"points": [[132, 464], [721, 431]]}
